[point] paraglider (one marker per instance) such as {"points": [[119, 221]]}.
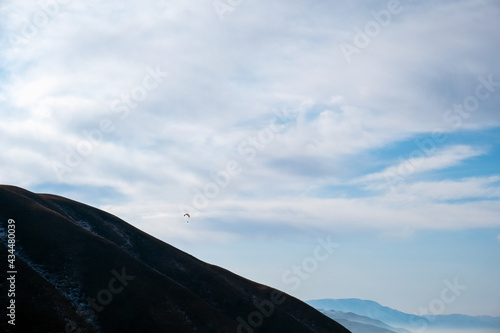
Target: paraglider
{"points": [[189, 216]]}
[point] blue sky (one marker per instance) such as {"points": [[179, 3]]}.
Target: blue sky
{"points": [[279, 126]]}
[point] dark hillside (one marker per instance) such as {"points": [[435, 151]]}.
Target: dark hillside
{"points": [[80, 267]]}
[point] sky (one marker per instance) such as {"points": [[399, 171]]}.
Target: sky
{"points": [[330, 149]]}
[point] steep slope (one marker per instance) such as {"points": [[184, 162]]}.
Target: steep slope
{"points": [[80, 267]]}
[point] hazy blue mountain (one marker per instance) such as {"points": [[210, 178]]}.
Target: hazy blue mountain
{"points": [[361, 324], [369, 309], [457, 320], [397, 318], [356, 327]]}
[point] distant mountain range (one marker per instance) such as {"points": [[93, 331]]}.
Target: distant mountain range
{"points": [[74, 268], [361, 324], [355, 314]]}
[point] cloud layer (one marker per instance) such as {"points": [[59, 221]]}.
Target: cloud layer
{"points": [[152, 102]]}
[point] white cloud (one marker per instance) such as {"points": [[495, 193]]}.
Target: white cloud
{"points": [[470, 188], [225, 79], [422, 159], [388, 214]]}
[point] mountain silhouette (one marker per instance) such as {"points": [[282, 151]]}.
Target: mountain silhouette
{"points": [[395, 318], [80, 269]]}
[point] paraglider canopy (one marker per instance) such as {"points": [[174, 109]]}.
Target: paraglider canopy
{"points": [[187, 215]]}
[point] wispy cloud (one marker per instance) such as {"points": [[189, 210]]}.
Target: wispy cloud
{"points": [[487, 188], [425, 158], [225, 81]]}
